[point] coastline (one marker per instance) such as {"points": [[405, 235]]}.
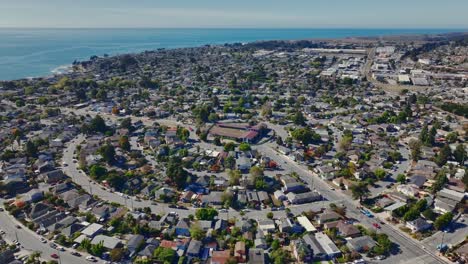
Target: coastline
{"points": [[50, 61]]}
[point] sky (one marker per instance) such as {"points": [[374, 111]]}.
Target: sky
{"points": [[234, 13]]}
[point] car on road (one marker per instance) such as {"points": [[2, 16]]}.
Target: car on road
{"points": [[1, 209], [76, 253], [91, 259], [18, 226], [376, 225], [61, 248], [53, 245], [223, 210], [16, 242], [55, 256], [154, 203]]}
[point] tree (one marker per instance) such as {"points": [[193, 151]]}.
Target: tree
{"points": [[183, 133], [439, 181], [443, 220], [299, 119], [30, 149], [229, 147], [305, 135], [116, 254], [107, 152], [127, 124], [279, 140], [234, 177], [229, 162], [244, 146], [411, 215], [380, 173], [451, 137], [359, 190], [460, 154], [97, 249], [165, 255], [429, 214], [345, 142], [176, 172], [97, 171], [227, 198], [443, 155], [415, 148], [270, 215], [401, 178], [98, 124], [206, 213], [124, 143], [256, 173], [196, 232], [115, 110]]}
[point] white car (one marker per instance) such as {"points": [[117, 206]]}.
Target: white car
{"points": [[43, 240], [91, 258]]}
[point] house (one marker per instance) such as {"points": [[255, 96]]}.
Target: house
{"points": [[220, 257], [213, 198], [341, 182], [70, 230], [183, 228], [408, 190], [92, 230], [327, 216], [361, 244], [326, 172], [243, 163], [266, 225], [53, 176], [417, 180], [194, 248], [302, 252], [240, 252], [418, 225], [304, 222], [322, 246], [134, 244], [347, 230], [293, 186], [256, 256], [447, 200], [301, 198], [279, 195], [107, 241]]}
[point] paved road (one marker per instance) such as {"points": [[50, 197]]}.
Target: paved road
{"points": [[30, 241]]}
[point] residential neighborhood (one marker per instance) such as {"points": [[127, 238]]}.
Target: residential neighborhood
{"points": [[338, 151]]}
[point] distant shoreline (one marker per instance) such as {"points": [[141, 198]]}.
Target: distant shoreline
{"points": [[38, 52]]}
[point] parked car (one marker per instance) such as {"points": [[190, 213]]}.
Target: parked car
{"points": [[55, 256], [76, 253], [376, 225]]}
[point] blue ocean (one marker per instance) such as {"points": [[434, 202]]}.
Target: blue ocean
{"points": [[38, 52]]}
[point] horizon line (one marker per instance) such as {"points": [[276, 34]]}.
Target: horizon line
{"points": [[253, 28]]}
